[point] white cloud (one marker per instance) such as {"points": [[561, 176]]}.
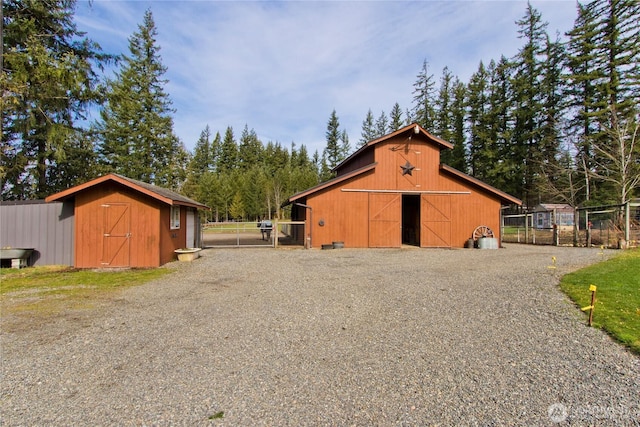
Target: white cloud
{"points": [[282, 67]]}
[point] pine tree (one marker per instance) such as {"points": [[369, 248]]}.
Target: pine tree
{"points": [[504, 170], [202, 160], [200, 163], [227, 161], [345, 145], [137, 127], [382, 125], [249, 149], [527, 96], [480, 144], [368, 129], [552, 91], [48, 86], [396, 118], [603, 53], [458, 156], [423, 98], [333, 152], [442, 127]]}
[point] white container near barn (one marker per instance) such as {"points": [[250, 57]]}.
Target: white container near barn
{"points": [[487, 243]]}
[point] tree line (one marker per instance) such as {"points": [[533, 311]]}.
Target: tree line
{"points": [[556, 122]]}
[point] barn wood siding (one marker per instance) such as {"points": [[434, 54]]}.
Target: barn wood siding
{"points": [[395, 153], [46, 227], [144, 226], [470, 211], [345, 215]]}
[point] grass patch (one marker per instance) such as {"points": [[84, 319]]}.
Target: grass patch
{"points": [[617, 307], [51, 289]]}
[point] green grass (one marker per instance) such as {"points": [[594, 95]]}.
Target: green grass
{"points": [[52, 289], [617, 307]]}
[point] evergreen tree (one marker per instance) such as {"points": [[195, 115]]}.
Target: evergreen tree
{"points": [[382, 125], [236, 209], [458, 156], [581, 78], [333, 153], [214, 155], [202, 160], [504, 168], [227, 161], [137, 127], [396, 118], [603, 53], [527, 97], [443, 126], [423, 98], [249, 149], [345, 146], [368, 129], [200, 163], [48, 85], [552, 91], [480, 144], [618, 55]]}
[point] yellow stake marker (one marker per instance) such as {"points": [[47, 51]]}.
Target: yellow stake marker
{"points": [[592, 289], [601, 250], [553, 261]]}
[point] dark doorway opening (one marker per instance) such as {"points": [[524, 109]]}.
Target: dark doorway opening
{"points": [[411, 219]]}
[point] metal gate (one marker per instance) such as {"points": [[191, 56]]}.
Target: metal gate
{"points": [[251, 235]]}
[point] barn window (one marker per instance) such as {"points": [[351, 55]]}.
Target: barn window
{"points": [[175, 217]]}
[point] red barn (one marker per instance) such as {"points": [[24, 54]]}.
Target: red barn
{"points": [[122, 222], [394, 191]]}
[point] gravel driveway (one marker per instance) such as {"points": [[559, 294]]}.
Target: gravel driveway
{"points": [[336, 337]]}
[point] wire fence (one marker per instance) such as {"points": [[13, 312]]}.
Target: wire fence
{"points": [[613, 226]]}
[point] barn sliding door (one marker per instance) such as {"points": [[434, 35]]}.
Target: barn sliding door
{"points": [[436, 221], [385, 214], [116, 235]]}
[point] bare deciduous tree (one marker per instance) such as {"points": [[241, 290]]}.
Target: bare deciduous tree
{"points": [[618, 160]]}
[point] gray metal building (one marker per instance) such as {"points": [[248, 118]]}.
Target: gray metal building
{"points": [[48, 228]]}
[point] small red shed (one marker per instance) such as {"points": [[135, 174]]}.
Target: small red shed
{"points": [[122, 222], [394, 191]]}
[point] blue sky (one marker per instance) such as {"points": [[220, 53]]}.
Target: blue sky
{"points": [[282, 67]]}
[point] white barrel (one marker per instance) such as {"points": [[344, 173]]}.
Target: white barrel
{"points": [[488, 243]]}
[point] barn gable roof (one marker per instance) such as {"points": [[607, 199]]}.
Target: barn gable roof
{"points": [[475, 181], [163, 195], [329, 183], [410, 130]]}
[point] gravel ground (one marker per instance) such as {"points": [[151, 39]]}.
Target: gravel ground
{"points": [[335, 337]]}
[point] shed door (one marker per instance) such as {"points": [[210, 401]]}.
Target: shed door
{"points": [[436, 221], [384, 220], [191, 229], [116, 235]]}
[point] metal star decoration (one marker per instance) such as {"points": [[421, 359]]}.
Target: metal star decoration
{"points": [[407, 169]]}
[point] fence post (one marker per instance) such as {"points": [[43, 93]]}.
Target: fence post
{"points": [[627, 225], [586, 221], [275, 234]]}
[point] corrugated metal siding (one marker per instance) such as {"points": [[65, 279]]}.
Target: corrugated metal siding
{"points": [[46, 227]]}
